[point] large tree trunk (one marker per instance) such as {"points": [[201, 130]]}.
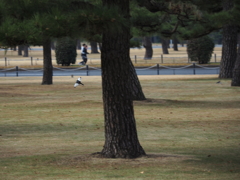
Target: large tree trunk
{"points": [[229, 47], [165, 46], [25, 50], [94, 48], [236, 70], [121, 140], [147, 44], [47, 63], [136, 88]]}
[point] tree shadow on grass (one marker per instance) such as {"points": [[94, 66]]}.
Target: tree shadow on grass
{"points": [[189, 104]]}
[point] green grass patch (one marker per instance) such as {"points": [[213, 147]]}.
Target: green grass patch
{"points": [[188, 126]]}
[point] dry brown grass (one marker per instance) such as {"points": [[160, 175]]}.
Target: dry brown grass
{"points": [[188, 126], [179, 57]]}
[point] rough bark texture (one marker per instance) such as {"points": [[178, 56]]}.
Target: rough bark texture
{"points": [[165, 45], [25, 50], [94, 48], [136, 88], [147, 44], [121, 140], [236, 70], [47, 63], [229, 47]]}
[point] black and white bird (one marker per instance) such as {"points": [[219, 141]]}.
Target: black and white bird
{"points": [[78, 82], [219, 82]]}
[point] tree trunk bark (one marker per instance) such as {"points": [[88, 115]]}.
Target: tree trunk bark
{"points": [[175, 44], [147, 44], [20, 48], [136, 88], [121, 140], [78, 44], [236, 70], [94, 48], [25, 51], [165, 46], [47, 63], [229, 47]]}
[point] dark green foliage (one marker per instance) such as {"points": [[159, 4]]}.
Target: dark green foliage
{"points": [[66, 52], [200, 49]]}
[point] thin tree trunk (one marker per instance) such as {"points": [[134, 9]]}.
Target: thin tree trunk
{"points": [[175, 44], [20, 48], [78, 44], [25, 51], [94, 48], [229, 47], [147, 44], [236, 70], [121, 140], [47, 63], [165, 46]]}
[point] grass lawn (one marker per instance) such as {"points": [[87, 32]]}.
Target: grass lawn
{"points": [[189, 127]]}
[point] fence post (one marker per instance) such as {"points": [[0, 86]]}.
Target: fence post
{"points": [[161, 58], [31, 61], [17, 71], [215, 57], [157, 69], [135, 59], [5, 61], [87, 69], [194, 72]]}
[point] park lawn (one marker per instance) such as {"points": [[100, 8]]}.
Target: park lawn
{"points": [[188, 126]]}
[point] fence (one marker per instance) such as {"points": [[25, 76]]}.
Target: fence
{"points": [[88, 71], [162, 59]]}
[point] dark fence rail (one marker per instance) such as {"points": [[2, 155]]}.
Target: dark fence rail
{"points": [[160, 59], [93, 71]]}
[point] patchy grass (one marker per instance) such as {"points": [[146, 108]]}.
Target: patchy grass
{"points": [[188, 126]]}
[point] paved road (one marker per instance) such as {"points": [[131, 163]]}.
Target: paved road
{"points": [[97, 72]]}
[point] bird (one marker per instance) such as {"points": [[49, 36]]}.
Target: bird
{"points": [[78, 82], [219, 82]]}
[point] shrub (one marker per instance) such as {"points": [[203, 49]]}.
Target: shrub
{"points": [[66, 52], [200, 49]]}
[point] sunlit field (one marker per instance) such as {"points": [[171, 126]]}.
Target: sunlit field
{"points": [[11, 58], [188, 126]]}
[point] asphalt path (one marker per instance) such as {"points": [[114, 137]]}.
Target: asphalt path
{"points": [[97, 72]]}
